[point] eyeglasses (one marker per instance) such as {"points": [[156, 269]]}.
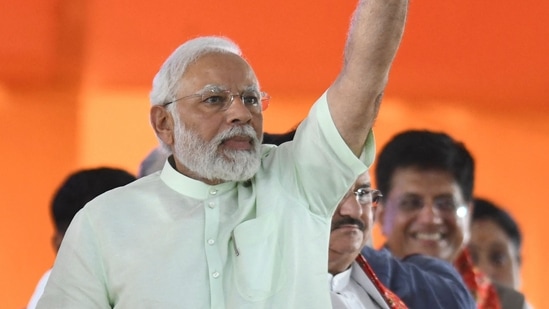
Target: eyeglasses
{"points": [[367, 196], [445, 205], [221, 100]]}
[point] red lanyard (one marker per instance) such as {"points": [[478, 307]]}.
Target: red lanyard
{"points": [[477, 282], [392, 300]]}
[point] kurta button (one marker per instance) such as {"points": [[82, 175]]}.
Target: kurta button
{"points": [[215, 274], [211, 204], [213, 191], [211, 242]]}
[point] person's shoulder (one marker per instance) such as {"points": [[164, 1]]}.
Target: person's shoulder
{"points": [[134, 190], [425, 261], [420, 281], [368, 251], [39, 290], [136, 185], [384, 256], [509, 298]]}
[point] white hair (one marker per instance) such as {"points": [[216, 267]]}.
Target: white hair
{"points": [[166, 82]]}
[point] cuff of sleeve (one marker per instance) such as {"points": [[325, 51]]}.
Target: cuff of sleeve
{"points": [[336, 142]]}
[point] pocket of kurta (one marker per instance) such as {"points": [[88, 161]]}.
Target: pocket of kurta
{"points": [[258, 264]]}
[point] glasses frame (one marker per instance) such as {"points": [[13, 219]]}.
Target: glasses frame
{"points": [[375, 195], [264, 98], [459, 209]]}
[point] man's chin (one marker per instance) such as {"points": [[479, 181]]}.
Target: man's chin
{"points": [[238, 169], [233, 155], [351, 250]]}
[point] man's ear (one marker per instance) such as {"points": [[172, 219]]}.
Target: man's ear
{"points": [[163, 124], [56, 240]]}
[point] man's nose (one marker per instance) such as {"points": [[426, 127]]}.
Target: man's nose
{"points": [[237, 111], [485, 265], [430, 214], [350, 207]]}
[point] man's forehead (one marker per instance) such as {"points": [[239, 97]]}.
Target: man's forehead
{"points": [[221, 70], [213, 87], [363, 180]]}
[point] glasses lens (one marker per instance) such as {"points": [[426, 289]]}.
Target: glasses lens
{"points": [[251, 99], [376, 196], [365, 197], [444, 206], [219, 99]]}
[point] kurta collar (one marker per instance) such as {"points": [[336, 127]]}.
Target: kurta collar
{"points": [[191, 187]]}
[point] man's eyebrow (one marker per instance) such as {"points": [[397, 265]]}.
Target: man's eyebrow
{"points": [[445, 195], [221, 88], [364, 185], [251, 88], [411, 194], [212, 87]]}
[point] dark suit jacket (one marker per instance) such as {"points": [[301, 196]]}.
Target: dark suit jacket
{"points": [[509, 298], [421, 282]]}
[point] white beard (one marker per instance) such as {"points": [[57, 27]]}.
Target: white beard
{"points": [[205, 159]]}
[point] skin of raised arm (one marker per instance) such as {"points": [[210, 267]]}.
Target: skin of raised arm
{"points": [[374, 36]]}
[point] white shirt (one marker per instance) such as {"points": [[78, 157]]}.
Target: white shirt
{"points": [[169, 241], [353, 289], [39, 290]]}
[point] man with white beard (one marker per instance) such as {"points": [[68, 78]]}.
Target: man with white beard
{"points": [[229, 223]]}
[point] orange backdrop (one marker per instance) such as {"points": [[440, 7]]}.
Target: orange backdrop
{"points": [[75, 76]]}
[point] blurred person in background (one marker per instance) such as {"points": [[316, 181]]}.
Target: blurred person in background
{"points": [[74, 192], [361, 280], [153, 162], [495, 243], [427, 179]]}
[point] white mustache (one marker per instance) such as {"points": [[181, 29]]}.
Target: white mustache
{"points": [[247, 131]]}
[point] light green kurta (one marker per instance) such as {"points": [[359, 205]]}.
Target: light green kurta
{"points": [[168, 241]]}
